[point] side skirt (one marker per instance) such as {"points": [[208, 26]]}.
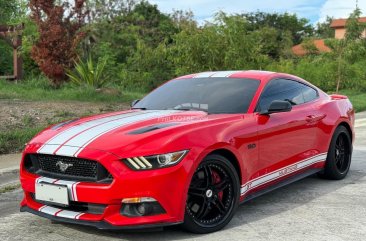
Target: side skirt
{"points": [[280, 184]]}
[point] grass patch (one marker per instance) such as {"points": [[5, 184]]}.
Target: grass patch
{"points": [[13, 141], [40, 90], [357, 98], [9, 188]]}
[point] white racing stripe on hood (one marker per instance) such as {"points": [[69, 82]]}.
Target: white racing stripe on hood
{"points": [[65, 135], [78, 141]]}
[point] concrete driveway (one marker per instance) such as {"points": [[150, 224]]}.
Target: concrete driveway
{"points": [[311, 209]]}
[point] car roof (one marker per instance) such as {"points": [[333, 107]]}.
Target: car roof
{"points": [[250, 74]]}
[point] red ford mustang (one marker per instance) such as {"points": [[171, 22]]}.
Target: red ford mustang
{"points": [[188, 153]]}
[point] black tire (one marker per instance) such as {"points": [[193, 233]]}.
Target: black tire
{"points": [[339, 155], [213, 196]]}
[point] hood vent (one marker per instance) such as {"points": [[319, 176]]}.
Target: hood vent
{"points": [[151, 128]]}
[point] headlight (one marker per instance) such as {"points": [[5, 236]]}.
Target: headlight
{"points": [[154, 162]]}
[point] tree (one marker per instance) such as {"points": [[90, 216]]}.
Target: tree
{"points": [[339, 48], [7, 10], [11, 13], [323, 30], [108, 9], [183, 19], [59, 34], [299, 28], [138, 28], [354, 27]]}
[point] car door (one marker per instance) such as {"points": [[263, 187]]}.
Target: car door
{"points": [[288, 137]]}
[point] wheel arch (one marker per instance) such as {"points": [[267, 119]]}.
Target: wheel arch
{"points": [[348, 127], [232, 159]]}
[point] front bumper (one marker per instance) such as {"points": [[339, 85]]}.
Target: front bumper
{"points": [[102, 225], [168, 186]]}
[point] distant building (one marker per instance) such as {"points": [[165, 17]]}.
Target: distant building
{"points": [[339, 25], [319, 44]]}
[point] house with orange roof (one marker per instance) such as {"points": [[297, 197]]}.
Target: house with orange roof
{"points": [[339, 26]]}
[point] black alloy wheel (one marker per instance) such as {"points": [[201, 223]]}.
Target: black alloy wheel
{"points": [[213, 195], [342, 153], [339, 155]]}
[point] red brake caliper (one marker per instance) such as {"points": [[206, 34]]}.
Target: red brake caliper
{"points": [[217, 179]]}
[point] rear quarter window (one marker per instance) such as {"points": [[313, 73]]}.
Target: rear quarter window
{"points": [[309, 93]]}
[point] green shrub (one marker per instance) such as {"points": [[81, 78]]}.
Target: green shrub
{"points": [[88, 73]]}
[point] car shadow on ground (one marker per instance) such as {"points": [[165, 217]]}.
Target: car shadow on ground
{"points": [[279, 201]]}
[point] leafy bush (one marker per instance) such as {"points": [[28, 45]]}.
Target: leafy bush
{"points": [[88, 73]]}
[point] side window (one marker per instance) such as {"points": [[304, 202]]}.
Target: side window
{"points": [[282, 89], [309, 93]]}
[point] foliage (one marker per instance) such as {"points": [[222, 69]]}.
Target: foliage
{"points": [[11, 13], [88, 73], [107, 10], [13, 141], [39, 89], [143, 47], [7, 10], [323, 29], [354, 27], [146, 69], [6, 58], [59, 35], [299, 28], [228, 45]]}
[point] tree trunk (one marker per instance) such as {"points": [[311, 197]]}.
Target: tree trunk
{"points": [[339, 73]]}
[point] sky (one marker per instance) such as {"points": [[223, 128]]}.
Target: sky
{"points": [[314, 10]]}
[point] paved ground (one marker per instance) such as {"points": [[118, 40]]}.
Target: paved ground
{"points": [[311, 209]]}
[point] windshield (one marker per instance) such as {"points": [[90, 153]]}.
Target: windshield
{"points": [[213, 95]]}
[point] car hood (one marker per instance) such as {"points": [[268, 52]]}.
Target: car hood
{"points": [[116, 131]]}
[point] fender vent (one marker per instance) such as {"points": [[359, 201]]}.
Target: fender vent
{"points": [[151, 128]]}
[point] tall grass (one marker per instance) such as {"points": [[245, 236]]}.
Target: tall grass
{"points": [[39, 89]]}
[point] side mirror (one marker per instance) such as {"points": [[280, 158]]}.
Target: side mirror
{"points": [[277, 106], [134, 102]]}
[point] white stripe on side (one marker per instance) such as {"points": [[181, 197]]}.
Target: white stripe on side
{"points": [[282, 172]]}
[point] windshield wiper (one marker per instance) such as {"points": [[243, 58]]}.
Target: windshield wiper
{"points": [[141, 108]]}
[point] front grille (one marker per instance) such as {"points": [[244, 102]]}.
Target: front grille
{"points": [[80, 167], [67, 168]]}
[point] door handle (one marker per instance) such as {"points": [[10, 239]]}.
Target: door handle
{"points": [[313, 118], [310, 118]]}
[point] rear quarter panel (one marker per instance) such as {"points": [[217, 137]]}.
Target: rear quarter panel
{"points": [[337, 111]]}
